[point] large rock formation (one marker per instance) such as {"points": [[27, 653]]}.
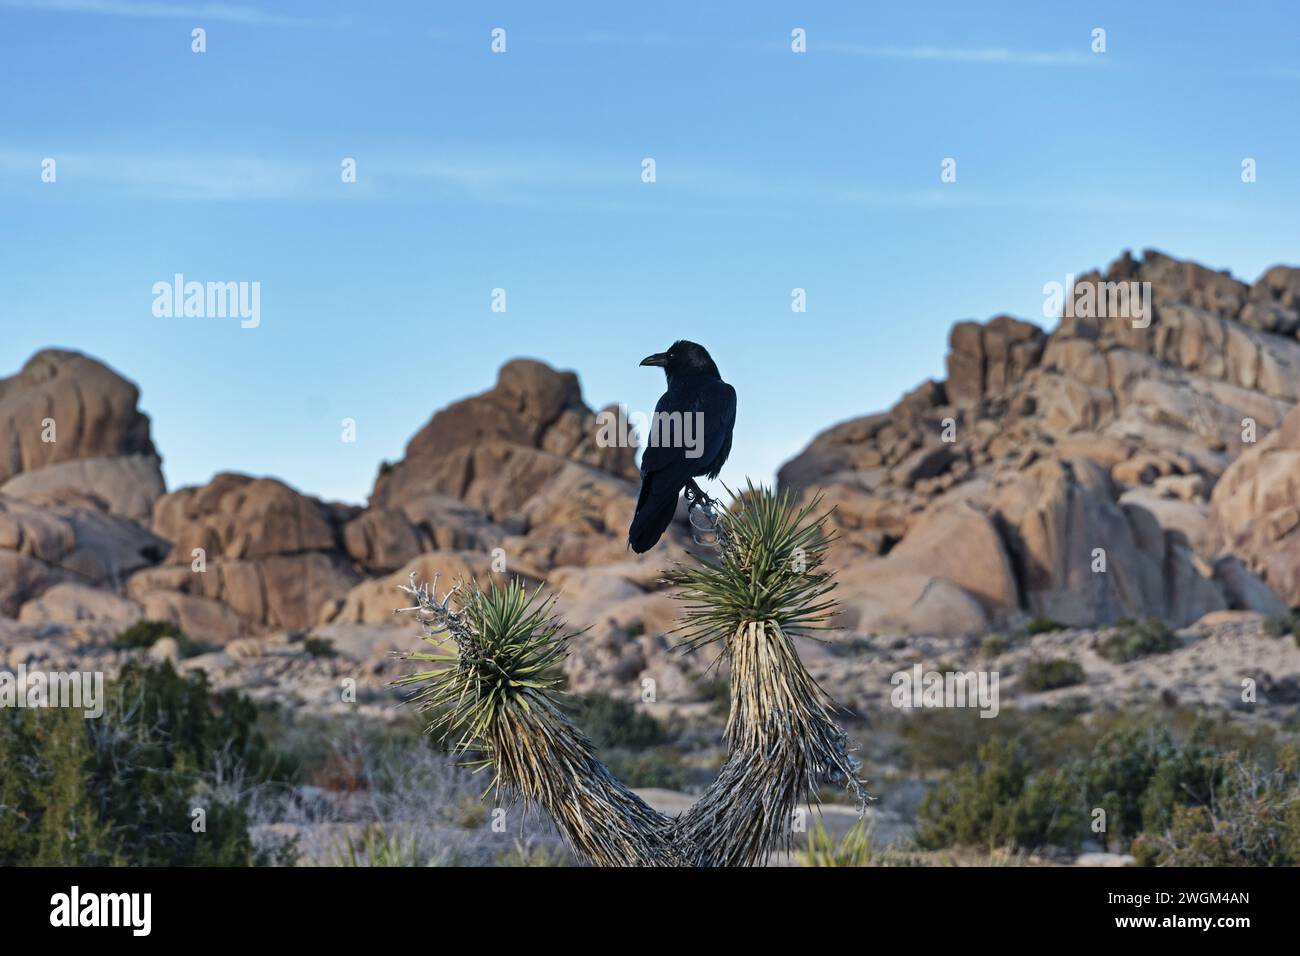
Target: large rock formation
{"points": [[67, 421], [1004, 490], [532, 406], [1257, 508], [66, 539], [254, 546], [524, 464]]}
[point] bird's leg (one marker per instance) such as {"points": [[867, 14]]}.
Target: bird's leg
{"points": [[702, 513], [694, 496]]}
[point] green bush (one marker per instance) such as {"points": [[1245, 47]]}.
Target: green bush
{"points": [[1043, 625], [1133, 639], [1253, 820], [853, 849], [1051, 673], [1140, 774], [994, 801], [1280, 625], [121, 788], [714, 691], [611, 722], [378, 848], [659, 767], [994, 645], [144, 634], [1172, 800], [318, 646]]}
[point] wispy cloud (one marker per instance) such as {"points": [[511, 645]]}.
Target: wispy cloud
{"points": [[168, 176], [603, 38], [974, 55], [527, 177], [198, 12]]}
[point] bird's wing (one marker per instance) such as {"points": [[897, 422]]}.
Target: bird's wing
{"points": [[698, 434]]}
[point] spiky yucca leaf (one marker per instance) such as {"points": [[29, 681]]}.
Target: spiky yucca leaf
{"points": [[496, 688], [508, 648], [769, 572]]}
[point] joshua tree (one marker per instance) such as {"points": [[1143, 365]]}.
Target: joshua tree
{"points": [[495, 681]]}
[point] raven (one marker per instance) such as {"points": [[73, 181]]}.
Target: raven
{"points": [[690, 436]]}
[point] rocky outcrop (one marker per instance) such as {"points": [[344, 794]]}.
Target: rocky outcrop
{"points": [[98, 613], [68, 421], [268, 554], [532, 406], [127, 485], [520, 467], [1257, 508], [984, 360], [1104, 438], [44, 546]]}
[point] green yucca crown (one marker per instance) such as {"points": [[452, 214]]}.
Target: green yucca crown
{"points": [[769, 572], [509, 646]]}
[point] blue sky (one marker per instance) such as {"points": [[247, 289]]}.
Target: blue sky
{"points": [[522, 171]]}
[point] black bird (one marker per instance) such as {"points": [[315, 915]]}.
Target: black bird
{"points": [[682, 444]]}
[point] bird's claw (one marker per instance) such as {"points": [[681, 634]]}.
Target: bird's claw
{"points": [[702, 513]]}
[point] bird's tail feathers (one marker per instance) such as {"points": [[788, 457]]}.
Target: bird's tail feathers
{"points": [[653, 516]]}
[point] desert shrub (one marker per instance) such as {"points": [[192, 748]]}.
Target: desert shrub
{"points": [[1051, 673], [377, 847], [1029, 791], [1133, 639], [850, 646], [1253, 819], [995, 801], [613, 722], [659, 767], [994, 645], [714, 691], [318, 646], [1280, 625], [534, 853], [852, 849], [144, 634], [1043, 625], [121, 788], [1139, 774]]}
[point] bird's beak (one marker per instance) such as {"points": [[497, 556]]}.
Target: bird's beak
{"points": [[659, 359]]}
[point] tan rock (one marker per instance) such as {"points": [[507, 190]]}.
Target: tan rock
{"points": [[1255, 508], [962, 545], [381, 540], [72, 543], [23, 578], [235, 516], [128, 485], [93, 410], [1060, 515], [165, 649], [95, 611], [532, 407], [1244, 590], [876, 601], [983, 360], [201, 619]]}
